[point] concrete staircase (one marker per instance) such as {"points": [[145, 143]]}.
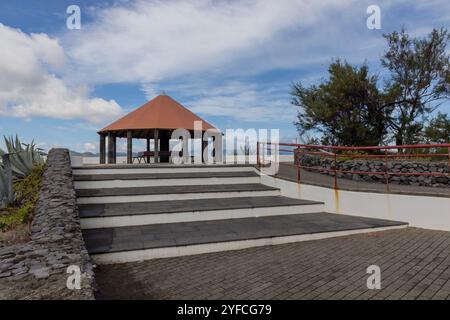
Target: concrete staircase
{"points": [[131, 213]]}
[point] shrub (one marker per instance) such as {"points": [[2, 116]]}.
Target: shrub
{"points": [[27, 194]]}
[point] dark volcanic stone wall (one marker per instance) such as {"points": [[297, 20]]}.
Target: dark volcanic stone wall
{"points": [[395, 166], [37, 269]]}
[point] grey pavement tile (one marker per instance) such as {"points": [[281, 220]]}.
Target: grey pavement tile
{"points": [[321, 269]]}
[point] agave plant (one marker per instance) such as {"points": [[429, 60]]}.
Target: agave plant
{"points": [[6, 185], [16, 162], [23, 157]]}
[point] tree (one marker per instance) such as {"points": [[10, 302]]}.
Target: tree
{"points": [[345, 109], [419, 81], [438, 130], [352, 109]]}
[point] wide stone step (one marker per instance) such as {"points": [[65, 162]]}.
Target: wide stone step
{"points": [[98, 181], [179, 192], [159, 168], [159, 207], [141, 213], [171, 189], [115, 245], [171, 175]]}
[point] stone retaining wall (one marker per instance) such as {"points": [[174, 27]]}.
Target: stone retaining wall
{"points": [[379, 166], [37, 269]]}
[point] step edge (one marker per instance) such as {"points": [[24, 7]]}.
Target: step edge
{"points": [[205, 210], [160, 166], [351, 232], [187, 192], [171, 197], [231, 199], [251, 175]]}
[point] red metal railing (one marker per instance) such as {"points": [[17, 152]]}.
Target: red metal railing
{"points": [[385, 153]]}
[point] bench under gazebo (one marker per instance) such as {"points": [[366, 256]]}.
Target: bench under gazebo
{"points": [[155, 120]]}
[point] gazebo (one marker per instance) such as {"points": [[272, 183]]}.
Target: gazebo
{"points": [[156, 120]]}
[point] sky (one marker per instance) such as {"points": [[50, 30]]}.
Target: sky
{"points": [[231, 62]]}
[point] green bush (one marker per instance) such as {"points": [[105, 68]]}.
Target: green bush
{"points": [[27, 194]]}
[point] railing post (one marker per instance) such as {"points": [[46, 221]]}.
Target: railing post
{"points": [[386, 169], [335, 171]]}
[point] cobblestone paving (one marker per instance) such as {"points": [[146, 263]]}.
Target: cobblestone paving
{"points": [[415, 264]]}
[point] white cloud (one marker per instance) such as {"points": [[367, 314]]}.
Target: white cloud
{"points": [[30, 87], [200, 44], [248, 105], [155, 42], [234, 99], [158, 40]]}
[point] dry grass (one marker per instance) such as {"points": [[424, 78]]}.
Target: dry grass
{"points": [[18, 235]]}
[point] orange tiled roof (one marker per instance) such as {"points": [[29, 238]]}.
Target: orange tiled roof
{"points": [[162, 112]]}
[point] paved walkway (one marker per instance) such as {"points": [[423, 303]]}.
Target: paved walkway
{"points": [[415, 264], [290, 173]]}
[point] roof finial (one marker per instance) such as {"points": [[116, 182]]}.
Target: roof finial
{"points": [[163, 93]]}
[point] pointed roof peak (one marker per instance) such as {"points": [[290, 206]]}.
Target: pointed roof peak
{"points": [[162, 112]]}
